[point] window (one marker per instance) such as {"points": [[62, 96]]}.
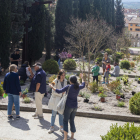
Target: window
{"points": [[138, 25], [130, 29], [131, 24], [137, 29]]}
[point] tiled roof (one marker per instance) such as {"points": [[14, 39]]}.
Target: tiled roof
{"points": [[137, 20]]}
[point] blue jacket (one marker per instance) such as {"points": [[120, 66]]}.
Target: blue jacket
{"points": [[39, 77], [11, 83]]}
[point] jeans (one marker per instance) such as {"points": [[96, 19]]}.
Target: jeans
{"points": [[69, 114], [59, 62], [13, 99], [95, 78], [54, 116]]}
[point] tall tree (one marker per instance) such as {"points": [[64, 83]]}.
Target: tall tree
{"points": [[119, 16], [5, 34], [84, 7], [97, 8], [63, 13], [113, 13], [75, 8], [36, 37]]}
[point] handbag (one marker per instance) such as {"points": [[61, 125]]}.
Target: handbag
{"points": [[62, 103]]}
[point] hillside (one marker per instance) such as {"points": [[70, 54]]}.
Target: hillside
{"points": [[132, 5]]}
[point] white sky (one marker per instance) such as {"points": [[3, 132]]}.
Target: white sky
{"points": [[130, 0]]}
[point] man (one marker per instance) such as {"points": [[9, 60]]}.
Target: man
{"points": [[15, 57], [38, 85], [105, 59]]}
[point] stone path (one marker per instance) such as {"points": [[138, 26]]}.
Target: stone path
{"points": [[28, 128]]}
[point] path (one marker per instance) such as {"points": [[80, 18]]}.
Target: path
{"points": [[28, 128]]}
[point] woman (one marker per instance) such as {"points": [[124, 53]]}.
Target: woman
{"points": [[71, 104], [116, 70], [23, 72], [105, 59], [12, 88], [59, 83]]}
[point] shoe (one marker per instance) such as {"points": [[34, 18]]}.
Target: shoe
{"points": [[10, 117], [17, 117], [34, 115], [61, 130], [51, 130], [38, 117], [70, 139], [13, 112], [103, 82]]}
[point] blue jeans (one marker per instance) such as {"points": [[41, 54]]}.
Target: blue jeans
{"points": [[69, 114], [13, 99], [59, 62], [54, 116]]}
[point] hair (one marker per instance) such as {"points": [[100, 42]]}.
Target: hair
{"points": [[40, 67], [12, 67], [60, 73], [116, 64], [26, 63], [64, 50], [106, 53], [97, 63], [73, 79]]}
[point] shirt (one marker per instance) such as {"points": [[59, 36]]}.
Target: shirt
{"points": [[108, 67], [116, 71], [72, 95], [105, 60], [15, 57]]}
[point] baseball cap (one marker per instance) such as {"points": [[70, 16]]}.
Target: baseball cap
{"points": [[37, 64]]}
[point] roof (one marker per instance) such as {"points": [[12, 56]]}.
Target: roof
{"points": [[135, 20]]}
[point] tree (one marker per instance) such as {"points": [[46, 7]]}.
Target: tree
{"points": [[83, 9], [119, 16], [63, 13], [75, 8], [36, 42], [97, 8], [5, 34], [113, 14]]}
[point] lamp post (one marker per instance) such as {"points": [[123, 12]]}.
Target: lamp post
{"points": [[25, 38]]}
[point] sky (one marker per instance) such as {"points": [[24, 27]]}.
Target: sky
{"points": [[130, 0]]}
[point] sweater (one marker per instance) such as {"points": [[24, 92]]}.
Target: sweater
{"points": [[95, 70], [116, 71], [72, 95], [11, 83]]}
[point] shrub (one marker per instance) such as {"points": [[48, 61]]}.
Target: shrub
{"points": [[93, 87], [134, 104], [132, 64], [125, 64], [109, 51], [119, 55], [99, 55], [52, 78], [82, 94], [91, 56], [27, 100], [1, 90], [51, 66], [87, 96], [121, 104], [125, 132], [135, 58], [113, 85], [99, 59], [69, 64], [102, 95]]}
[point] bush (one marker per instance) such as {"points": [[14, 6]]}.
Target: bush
{"points": [[69, 64], [52, 78], [27, 100], [93, 87], [119, 55], [134, 104], [1, 90], [125, 132], [132, 64], [121, 104], [109, 51], [125, 64], [99, 55], [113, 85], [99, 59], [51, 66], [91, 56]]}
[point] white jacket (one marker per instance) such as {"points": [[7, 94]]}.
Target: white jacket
{"points": [[55, 97]]}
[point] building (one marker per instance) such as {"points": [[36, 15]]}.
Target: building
{"points": [[134, 27]]}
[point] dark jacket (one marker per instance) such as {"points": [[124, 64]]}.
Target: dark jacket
{"points": [[11, 83], [22, 72], [39, 77]]}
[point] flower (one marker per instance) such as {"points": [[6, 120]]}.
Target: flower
{"points": [[2, 83]]}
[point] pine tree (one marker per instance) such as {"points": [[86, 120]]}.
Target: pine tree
{"points": [[63, 13], [84, 8], [119, 16], [97, 8], [36, 36], [103, 12], [5, 34], [113, 14], [75, 8]]}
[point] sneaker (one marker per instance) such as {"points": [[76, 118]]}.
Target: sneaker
{"points": [[13, 112], [103, 82], [38, 117], [61, 130], [10, 117], [17, 117], [34, 115], [51, 130]]}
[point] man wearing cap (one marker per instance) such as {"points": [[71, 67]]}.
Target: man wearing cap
{"points": [[15, 57], [38, 85]]}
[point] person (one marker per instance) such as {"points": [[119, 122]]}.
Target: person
{"points": [[71, 104], [95, 71], [59, 83], [12, 87], [1, 69], [23, 72], [38, 85], [106, 75], [15, 57], [116, 70], [69, 55], [63, 55], [104, 60]]}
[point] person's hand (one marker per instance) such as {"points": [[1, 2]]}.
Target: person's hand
{"points": [[20, 93], [63, 93], [81, 75], [29, 69], [50, 85]]}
